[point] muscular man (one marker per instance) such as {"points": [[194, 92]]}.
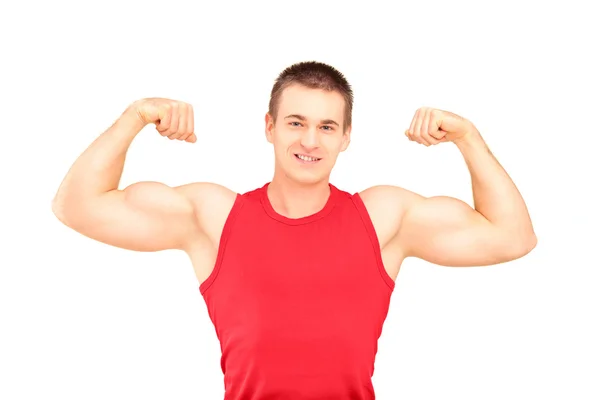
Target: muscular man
{"points": [[297, 274]]}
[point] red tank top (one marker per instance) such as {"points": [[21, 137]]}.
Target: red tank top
{"points": [[298, 305]]}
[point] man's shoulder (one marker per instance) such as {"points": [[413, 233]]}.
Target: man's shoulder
{"points": [[387, 196], [212, 204], [382, 196], [214, 196], [201, 193], [386, 206]]}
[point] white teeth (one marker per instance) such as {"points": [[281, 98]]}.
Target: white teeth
{"points": [[306, 158]]}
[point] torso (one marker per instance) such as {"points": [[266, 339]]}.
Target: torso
{"points": [[203, 259], [203, 253], [311, 295]]}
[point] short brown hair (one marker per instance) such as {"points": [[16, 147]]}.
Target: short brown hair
{"points": [[313, 75]]}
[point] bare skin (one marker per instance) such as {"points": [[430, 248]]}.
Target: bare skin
{"points": [[150, 216], [145, 216]]}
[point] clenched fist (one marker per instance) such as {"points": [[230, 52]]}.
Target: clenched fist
{"points": [[431, 126], [173, 119]]}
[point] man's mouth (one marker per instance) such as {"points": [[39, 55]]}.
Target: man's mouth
{"points": [[305, 158]]}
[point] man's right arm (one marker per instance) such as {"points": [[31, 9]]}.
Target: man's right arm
{"points": [[145, 216]]}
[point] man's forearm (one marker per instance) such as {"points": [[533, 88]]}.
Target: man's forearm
{"points": [[495, 195], [99, 168]]}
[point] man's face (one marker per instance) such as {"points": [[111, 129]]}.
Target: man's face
{"points": [[308, 135]]}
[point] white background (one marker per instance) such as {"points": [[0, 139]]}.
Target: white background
{"points": [[82, 320]]}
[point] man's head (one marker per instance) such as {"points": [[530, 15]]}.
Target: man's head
{"points": [[309, 117]]}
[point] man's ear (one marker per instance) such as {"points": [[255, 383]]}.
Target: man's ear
{"points": [[346, 139], [269, 126]]}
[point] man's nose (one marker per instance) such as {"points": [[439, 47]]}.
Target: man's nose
{"points": [[310, 139]]}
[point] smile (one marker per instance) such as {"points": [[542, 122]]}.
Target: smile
{"points": [[306, 159]]}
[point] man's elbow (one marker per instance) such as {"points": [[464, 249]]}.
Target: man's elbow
{"points": [[57, 210], [62, 213], [520, 248]]}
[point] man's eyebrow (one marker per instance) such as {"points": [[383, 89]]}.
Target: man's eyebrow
{"points": [[303, 118]]}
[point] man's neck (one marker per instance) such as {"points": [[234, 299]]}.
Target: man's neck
{"points": [[295, 200]]}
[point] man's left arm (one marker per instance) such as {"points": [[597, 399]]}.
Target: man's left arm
{"points": [[447, 231]]}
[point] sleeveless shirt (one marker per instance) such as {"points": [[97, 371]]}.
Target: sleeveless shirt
{"points": [[298, 305]]}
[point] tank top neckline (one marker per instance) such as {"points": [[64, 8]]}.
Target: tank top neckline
{"points": [[329, 205]]}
